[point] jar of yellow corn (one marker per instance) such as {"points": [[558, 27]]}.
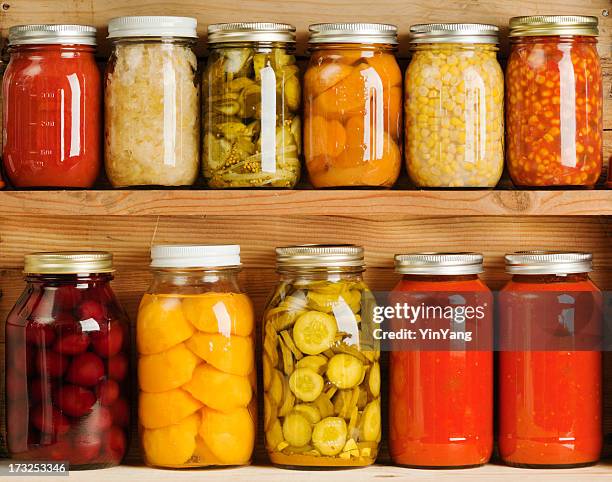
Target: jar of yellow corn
{"points": [[454, 98], [196, 370]]}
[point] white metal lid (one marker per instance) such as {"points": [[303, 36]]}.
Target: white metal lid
{"points": [[549, 262], [195, 256], [251, 32], [439, 263], [48, 34], [152, 26], [362, 33], [470, 33]]}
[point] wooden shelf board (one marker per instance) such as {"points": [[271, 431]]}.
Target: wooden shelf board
{"points": [[191, 202], [488, 473]]}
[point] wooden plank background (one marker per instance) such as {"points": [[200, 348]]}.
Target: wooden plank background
{"points": [[130, 238]]}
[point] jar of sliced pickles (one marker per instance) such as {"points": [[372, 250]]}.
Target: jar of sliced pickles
{"points": [[454, 106], [252, 133], [352, 106], [320, 362], [196, 371]]}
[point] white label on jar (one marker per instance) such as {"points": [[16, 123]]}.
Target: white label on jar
{"points": [[268, 119], [373, 119], [75, 116], [169, 100], [224, 321], [567, 99]]}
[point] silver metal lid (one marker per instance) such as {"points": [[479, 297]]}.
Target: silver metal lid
{"points": [[544, 25], [361, 33], [548, 262], [251, 32], [49, 34], [320, 256], [469, 33], [69, 262], [439, 263], [152, 26]]}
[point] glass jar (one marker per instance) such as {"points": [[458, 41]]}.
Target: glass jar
{"points": [[549, 367], [441, 395], [252, 133], [320, 362], [352, 106], [67, 345], [52, 107], [454, 106], [554, 103], [152, 102], [196, 370]]}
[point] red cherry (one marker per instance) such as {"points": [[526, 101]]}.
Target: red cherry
{"points": [[98, 421], [39, 334], [74, 401], [91, 309], [51, 364], [85, 369], [72, 344], [107, 392], [49, 420], [108, 342], [41, 390], [60, 450], [67, 297], [117, 367], [116, 443], [86, 447], [120, 412]]}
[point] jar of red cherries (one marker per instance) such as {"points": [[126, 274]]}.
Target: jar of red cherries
{"points": [[67, 342]]}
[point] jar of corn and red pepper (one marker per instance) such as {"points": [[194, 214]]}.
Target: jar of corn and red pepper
{"points": [[554, 101]]}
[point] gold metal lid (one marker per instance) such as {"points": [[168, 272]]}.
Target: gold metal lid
{"points": [[251, 32], [444, 264], [362, 33], [545, 25], [320, 256], [69, 262], [468, 33], [548, 262]]}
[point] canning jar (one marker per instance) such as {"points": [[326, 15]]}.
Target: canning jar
{"points": [[321, 372], [252, 133], [549, 367], [554, 103], [152, 102], [67, 355], [52, 116], [196, 370], [454, 106], [352, 106], [441, 395]]}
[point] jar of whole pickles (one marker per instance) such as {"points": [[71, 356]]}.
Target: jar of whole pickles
{"points": [[320, 362], [352, 106], [196, 370], [454, 106], [554, 101], [67, 345], [152, 102], [252, 133]]}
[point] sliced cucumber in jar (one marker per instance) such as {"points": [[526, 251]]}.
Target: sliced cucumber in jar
{"points": [[306, 384], [288, 399], [345, 371], [270, 412], [370, 422], [310, 411], [314, 332], [276, 387], [296, 429], [374, 380], [325, 406], [329, 435], [314, 362], [286, 337], [274, 435]]}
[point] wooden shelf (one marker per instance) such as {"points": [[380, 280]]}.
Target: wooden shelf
{"points": [[488, 473], [191, 202]]}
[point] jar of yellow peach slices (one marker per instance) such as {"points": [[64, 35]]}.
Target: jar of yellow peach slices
{"points": [[196, 371]]}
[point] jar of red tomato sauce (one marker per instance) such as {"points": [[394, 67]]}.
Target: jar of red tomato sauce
{"points": [[52, 107], [67, 342], [441, 399], [550, 361], [554, 101]]}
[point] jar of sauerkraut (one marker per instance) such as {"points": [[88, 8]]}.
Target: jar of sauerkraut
{"points": [[252, 96], [321, 372], [151, 102], [454, 108]]}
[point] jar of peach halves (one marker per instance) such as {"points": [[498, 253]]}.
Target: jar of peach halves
{"points": [[196, 370]]}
